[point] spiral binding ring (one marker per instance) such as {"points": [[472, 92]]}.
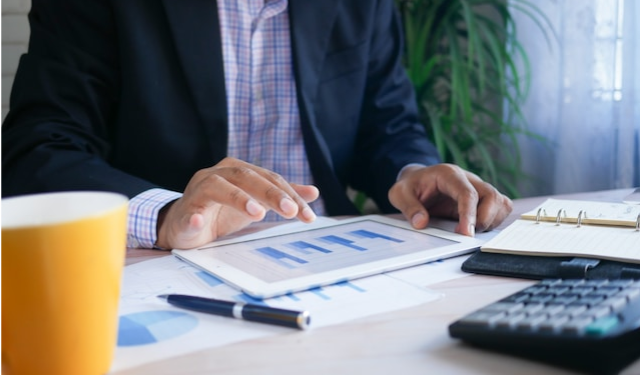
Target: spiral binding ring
{"points": [[538, 214], [580, 217], [561, 212]]}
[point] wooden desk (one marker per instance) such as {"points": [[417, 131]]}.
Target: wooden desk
{"points": [[410, 341]]}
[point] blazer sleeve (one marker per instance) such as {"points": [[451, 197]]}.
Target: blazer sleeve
{"points": [[57, 133], [391, 135]]}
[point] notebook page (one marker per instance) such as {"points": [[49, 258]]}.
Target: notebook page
{"points": [[548, 239], [590, 212]]}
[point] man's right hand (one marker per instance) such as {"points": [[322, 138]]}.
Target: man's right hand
{"points": [[227, 197]]}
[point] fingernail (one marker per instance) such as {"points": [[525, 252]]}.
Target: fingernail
{"points": [[417, 219], [288, 206], [308, 214], [253, 208], [472, 230]]}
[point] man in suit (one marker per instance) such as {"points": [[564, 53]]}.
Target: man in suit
{"points": [[212, 114]]}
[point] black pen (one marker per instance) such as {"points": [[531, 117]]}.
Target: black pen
{"points": [[239, 310]]}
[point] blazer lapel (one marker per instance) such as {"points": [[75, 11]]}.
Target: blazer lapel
{"points": [[311, 23], [196, 32]]}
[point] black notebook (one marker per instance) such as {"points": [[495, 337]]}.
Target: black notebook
{"points": [[565, 238]]}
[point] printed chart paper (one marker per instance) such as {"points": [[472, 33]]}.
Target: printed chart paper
{"points": [[150, 329]]}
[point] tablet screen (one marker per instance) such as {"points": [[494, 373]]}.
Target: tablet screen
{"points": [[279, 263], [325, 249]]}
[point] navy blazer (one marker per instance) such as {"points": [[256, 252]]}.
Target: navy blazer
{"points": [[128, 95]]}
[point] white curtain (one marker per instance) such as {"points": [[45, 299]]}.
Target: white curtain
{"points": [[584, 98]]}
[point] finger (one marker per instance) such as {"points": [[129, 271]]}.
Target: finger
{"points": [[443, 189], [467, 201], [493, 208], [455, 184], [402, 197], [275, 192], [249, 181], [309, 194], [215, 189], [282, 196], [490, 203], [197, 217]]}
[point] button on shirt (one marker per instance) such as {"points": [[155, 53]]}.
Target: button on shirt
{"points": [[263, 117]]}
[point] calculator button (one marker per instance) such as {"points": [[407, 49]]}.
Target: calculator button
{"points": [[515, 298], [480, 318], [596, 282], [541, 298], [504, 307], [577, 324], [532, 308], [631, 293], [602, 326], [557, 290], [564, 299], [606, 292], [535, 290], [550, 282], [574, 310], [551, 310], [509, 321], [616, 303], [530, 322], [571, 282], [582, 290], [620, 283], [553, 323], [599, 311], [590, 300]]}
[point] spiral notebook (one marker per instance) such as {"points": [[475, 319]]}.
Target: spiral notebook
{"points": [[565, 239], [600, 230]]}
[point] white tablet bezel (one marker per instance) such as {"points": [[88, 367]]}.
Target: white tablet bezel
{"points": [[260, 289]]}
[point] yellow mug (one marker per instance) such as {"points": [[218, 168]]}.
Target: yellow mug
{"points": [[62, 260]]}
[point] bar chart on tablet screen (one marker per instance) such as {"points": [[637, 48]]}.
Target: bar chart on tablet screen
{"points": [[324, 249]]}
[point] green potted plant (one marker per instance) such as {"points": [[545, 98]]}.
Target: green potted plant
{"points": [[471, 76], [461, 56]]}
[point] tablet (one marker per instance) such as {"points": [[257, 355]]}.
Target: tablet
{"points": [[311, 256]]}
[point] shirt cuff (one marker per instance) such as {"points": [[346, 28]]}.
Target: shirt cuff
{"points": [[143, 216]]}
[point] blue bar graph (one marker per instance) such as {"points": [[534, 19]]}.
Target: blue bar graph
{"points": [[209, 278], [248, 299], [350, 285], [292, 296], [367, 234], [302, 245], [343, 242], [278, 256], [300, 254], [318, 292]]}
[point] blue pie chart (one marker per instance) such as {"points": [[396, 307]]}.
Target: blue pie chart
{"points": [[149, 327]]}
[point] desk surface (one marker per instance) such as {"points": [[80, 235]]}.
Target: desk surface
{"points": [[410, 341]]}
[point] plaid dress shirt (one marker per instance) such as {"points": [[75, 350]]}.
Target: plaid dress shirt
{"points": [[263, 118]]}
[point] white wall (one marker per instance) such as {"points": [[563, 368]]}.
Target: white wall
{"points": [[15, 37]]}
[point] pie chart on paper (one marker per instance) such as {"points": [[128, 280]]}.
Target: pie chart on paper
{"points": [[149, 327]]}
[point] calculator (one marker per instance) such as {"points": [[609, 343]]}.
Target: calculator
{"points": [[587, 325]]}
